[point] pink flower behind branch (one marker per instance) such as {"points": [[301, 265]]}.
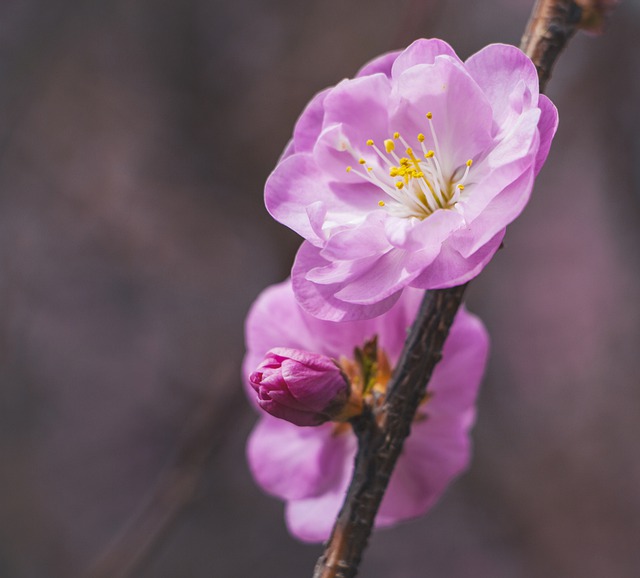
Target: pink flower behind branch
{"points": [[408, 174], [310, 467]]}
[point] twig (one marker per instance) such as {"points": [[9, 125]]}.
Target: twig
{"points": [[379, 446], [552, 24]]}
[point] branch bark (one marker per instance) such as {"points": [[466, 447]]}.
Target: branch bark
{"points": [[551, 26], [379, 446]]}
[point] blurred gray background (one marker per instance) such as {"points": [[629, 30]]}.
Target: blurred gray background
{"points": [[135, 138]]}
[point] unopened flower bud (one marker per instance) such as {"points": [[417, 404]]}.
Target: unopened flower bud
{"points": [[304, 388]]}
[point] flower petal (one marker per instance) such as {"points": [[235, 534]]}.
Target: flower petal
{"points": [[311, 519], [381, 64], [456, 380], [384, 278], [309, 124], [450, 268], [493, 218], [436, 451], [320, 300], [293, 462], [547, 126], [425, 235], [366, 240], [360, 105], [462, 116], [294, 184], [422, 51], [263, 331], [498, 69]]}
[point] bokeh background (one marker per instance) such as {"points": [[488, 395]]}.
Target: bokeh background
{"points": [[135, 138]]}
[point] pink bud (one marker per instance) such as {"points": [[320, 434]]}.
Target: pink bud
{"points": [[300, 387]]}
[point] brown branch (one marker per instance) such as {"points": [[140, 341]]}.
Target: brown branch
{"points": [[379, 446], [552, 24]]}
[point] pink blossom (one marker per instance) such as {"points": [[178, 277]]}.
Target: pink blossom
{"points": [[310, 467], [303, 388], [408, 174]]}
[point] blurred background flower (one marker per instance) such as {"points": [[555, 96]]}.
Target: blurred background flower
{"points": [[136, 137]]}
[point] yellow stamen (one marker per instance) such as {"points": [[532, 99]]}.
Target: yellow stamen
{"points": [[396, 135], [389, 145], [399, 185], [362, 161], [469, 162], [369, 143], [429, 115], [429, 155], [381, 203], [349, 169], [461, 187], [421, 137]]}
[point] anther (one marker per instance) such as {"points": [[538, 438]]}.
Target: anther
{"points": [[429, 115], [396, 135], [389, 145], [349, 169], [421, 137], [370, 143], [362, 161], [399, 185], [381, 203]]}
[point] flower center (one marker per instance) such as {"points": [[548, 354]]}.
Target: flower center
{"points": [[415, 185]]}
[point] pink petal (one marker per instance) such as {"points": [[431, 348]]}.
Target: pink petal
{"points": [[320, 300], [381, 64], [450, 268], [426, 235], [388, 275], [456, 380], [263, 331], [498, 68], [436, 451], [499, 213], [294, 184], [366, 240], [309, 124], [360, 105], [506, 163], [462, 116], [293, 462], [340, 272], [311, 519], [392, 327], [422, 51], [547, 126]]}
